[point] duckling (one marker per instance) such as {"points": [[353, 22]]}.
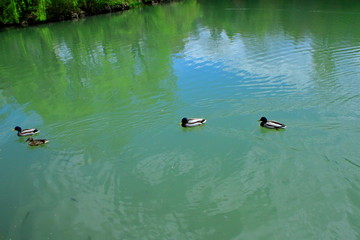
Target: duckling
{"points": [[192, 122], [271, 124], [25, 132], [36, 142]]}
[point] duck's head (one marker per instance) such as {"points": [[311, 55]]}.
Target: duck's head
{"points": [[17, 128], [184, 120], [262, 119], [30, 139]]}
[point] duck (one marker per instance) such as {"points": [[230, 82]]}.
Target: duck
{"points": [[192, 122], [271, 124], [36, 142], [25, 132]]}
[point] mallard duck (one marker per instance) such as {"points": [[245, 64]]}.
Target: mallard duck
{"points": [[192, 122], [25, 132], [36, 142], [271, 124]]}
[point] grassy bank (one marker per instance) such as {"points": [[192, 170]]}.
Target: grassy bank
{"points": [[27, 12]]}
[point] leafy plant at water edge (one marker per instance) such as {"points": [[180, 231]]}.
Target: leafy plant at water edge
{"points": [[25, 11]]}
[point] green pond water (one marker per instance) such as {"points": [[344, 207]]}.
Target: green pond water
{"points": [[109, 92]]}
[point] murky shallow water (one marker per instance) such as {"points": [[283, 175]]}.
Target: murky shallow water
{"points": [[109, 93]]}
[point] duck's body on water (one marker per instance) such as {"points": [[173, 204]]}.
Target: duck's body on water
{"points": [[36, 142], [192, 122], [25, 132], [271, 124]]}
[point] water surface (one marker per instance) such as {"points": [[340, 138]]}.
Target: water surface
{"points": [[109, 92]]}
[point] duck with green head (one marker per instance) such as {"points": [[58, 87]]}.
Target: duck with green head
{"points": [[192, 122], [25, 132], [271, 124]]}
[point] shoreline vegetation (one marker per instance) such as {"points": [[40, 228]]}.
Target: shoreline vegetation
{"points": [[31, 12]]}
